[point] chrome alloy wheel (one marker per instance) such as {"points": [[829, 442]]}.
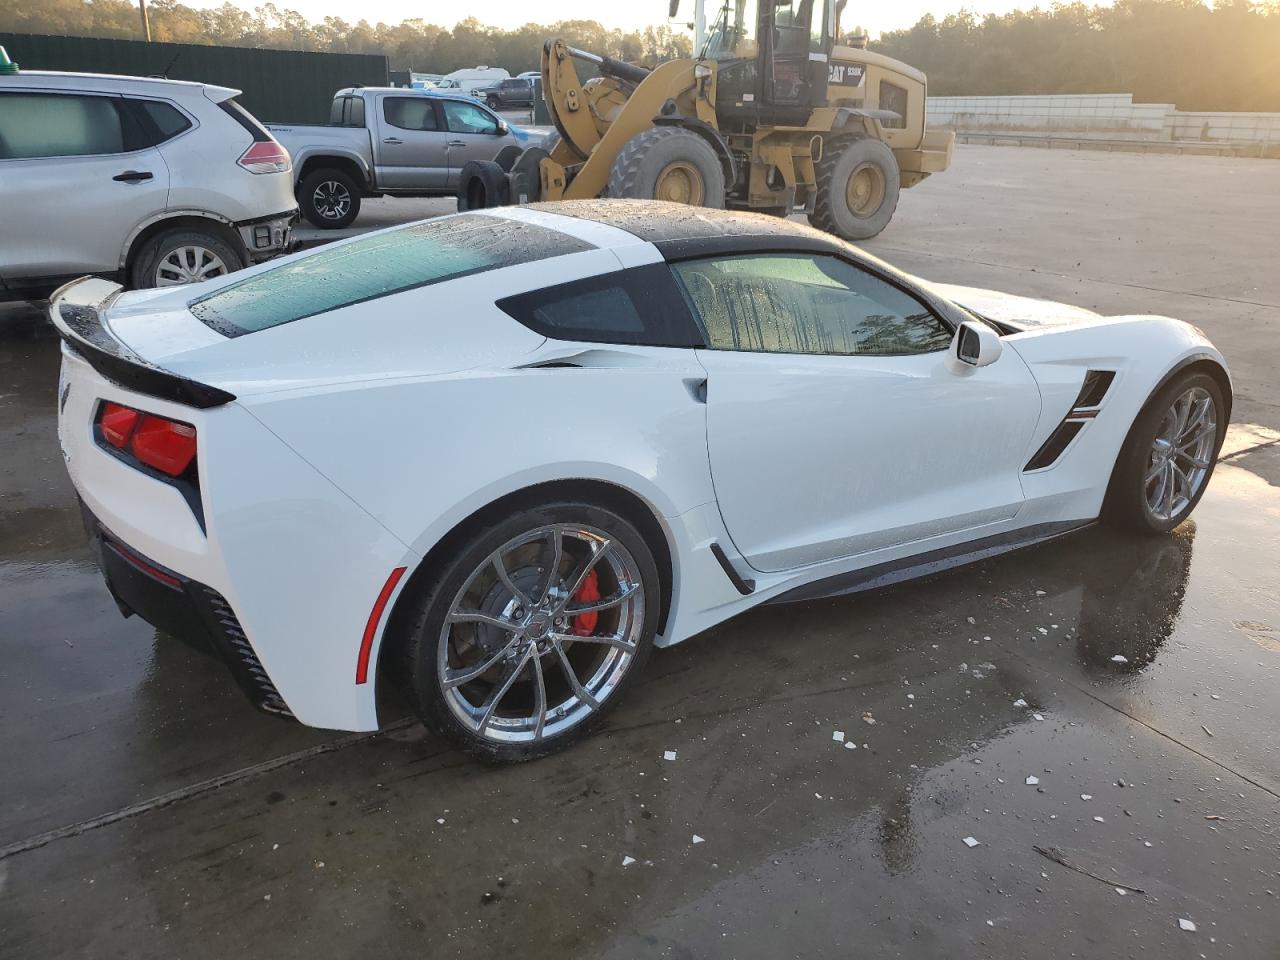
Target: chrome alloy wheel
{"points": [[189, 264], [1181, 453], [541, 633], [331, 199]]}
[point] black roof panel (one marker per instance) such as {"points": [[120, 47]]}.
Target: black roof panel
{"points": [[674, 227]]}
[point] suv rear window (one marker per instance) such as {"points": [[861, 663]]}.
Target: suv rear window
{"points": [[377, 266]]}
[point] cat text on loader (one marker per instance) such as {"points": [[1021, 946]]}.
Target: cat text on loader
{"points": [[771, 115]]}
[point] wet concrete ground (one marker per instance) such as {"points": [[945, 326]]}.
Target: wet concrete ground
{"points": [[147, 811]]}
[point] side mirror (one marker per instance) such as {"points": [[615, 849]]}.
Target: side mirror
{"points": [[503, 127], [975, 345]]}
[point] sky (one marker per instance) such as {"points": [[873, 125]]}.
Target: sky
{"points": [[873, 15]]}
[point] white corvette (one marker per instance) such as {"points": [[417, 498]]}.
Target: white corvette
{"points": [[496, 457]]}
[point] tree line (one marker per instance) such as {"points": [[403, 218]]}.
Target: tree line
{"points": [[1162, 51], [1224, 57], [409, 45]]}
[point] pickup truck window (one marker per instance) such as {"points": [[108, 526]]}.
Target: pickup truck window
{"points": [[468, 118], [378, 265], [410, 113]]}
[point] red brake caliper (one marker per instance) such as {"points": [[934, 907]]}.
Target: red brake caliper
{"points": [[584, 624]]}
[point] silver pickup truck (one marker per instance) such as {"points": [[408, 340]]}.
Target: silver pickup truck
{"points": [[390, 141]]}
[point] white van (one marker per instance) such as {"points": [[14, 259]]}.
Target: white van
{"points": [[470, 78]]}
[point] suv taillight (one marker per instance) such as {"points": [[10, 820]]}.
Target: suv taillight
{"points": [[168, 446], [265, 156]]}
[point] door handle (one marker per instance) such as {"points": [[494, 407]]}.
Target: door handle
{"points": [[392, 140], [455, 143], [133, 176]]}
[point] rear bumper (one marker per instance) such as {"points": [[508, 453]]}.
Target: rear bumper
{"points": [[266, 237], [182, 608]]}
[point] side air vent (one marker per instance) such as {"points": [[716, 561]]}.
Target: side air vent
{"points": [[1095, 387], [1092, 392], [1052, 448]]}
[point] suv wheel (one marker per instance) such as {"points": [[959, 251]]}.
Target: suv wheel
{"points": [[493, 102], [329, 199], [184, 255]]}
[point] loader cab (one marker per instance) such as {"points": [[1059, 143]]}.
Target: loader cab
{"points": [[771, 57]]}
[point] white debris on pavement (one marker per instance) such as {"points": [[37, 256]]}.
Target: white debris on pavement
{"points": [[439, 819], [1032, 781], [627, 861], [850, 745], [1037, 716], [1185, 924], [868, 718], [698, 839], [1086, 796], [1099, 820], [837, 736], [669, 755], [1019, 702], [971, 842], [1118, 658]]}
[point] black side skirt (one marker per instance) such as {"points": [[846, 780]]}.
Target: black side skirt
{"points": [[935, 561]]}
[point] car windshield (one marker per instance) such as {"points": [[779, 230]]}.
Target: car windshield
{"points": [[377, 266]]}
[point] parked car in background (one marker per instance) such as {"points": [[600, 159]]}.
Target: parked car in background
{"points": [[529, 75], [390, 141], [469, 78], [512, 92], [151, 182]]}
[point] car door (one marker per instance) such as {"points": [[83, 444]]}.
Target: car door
{"points": [[836, 424], [474, 134], [412, 150], [74, 182]]}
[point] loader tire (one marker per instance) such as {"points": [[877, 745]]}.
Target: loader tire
{"points": [[857, 189], [482, 184], [668, 163]]}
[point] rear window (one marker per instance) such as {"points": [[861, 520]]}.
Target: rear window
{"points": [[377, 266], [246, 119], [639, 306]]}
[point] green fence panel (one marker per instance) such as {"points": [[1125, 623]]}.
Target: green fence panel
{"points": [[279, 85]]}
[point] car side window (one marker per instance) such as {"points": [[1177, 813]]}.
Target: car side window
{"points": [[468, 118], [166, 121], [36, 125], [410, 113], [640, 306], [806, 303]]}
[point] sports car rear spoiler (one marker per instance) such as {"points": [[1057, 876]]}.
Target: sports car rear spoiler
{"points": [[76, 309]]}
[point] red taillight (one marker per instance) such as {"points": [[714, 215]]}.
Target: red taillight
{"points": [[117, 424], [265, 156], [164, 445], [158, 442]]}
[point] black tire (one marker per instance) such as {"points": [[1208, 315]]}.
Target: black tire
{"points": [[432, 597], [661, 153], [842, 158], [492, 102], [482, 184], [329, 198], [1126, 503], [147, 269]]}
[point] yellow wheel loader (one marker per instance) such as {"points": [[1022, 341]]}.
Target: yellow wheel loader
{"points": [[773, 114]]}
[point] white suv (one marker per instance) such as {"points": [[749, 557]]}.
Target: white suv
{"points": [[149, 182]]}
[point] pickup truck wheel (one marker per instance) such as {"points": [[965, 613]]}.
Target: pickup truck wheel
{"points": [[493, 102], [329, 199], [183, 255]]}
